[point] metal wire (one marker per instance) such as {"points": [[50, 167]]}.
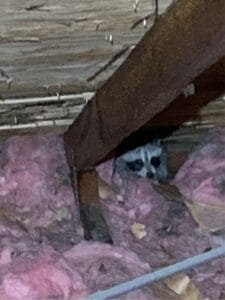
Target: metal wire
{"points": [[141, 281]]}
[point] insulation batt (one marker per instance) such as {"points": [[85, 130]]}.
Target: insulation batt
{"points": [[42, 252], [202, 177], [172, 233]]}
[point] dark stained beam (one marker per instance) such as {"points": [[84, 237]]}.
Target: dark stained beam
{"points": [[208, 86], [87, 182], [181, 45], [95, 227]]}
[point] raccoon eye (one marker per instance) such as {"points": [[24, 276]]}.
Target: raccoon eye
{"points": [[135, 165], [155, 161]]}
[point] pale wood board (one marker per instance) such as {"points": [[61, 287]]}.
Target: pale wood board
{"points": [[51, 45]]}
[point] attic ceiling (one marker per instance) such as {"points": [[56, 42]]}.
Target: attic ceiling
{"points": [[53, 45], [64, 51]]}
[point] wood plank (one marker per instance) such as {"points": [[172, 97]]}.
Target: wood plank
{"points": [[47, 44]]}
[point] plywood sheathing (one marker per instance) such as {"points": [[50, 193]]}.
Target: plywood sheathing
{"points": [[179, 47], [50, 46]]}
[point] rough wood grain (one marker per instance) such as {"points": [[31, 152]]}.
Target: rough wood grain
{"points": [[182, 45], [58, 45]]}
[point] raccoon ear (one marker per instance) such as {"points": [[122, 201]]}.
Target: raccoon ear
{"points": [[157, 142]]}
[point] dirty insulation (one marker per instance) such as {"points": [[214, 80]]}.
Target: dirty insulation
{"points": [[43, 254]]}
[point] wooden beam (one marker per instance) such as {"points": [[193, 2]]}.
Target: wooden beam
{"points": [[91, 216], [88, 186], [193, 108], [189, 38], [209, 86]]}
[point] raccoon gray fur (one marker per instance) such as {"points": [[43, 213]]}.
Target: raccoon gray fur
{"points": [[149, 161]]}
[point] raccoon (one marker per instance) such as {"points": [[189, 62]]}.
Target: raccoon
{"points": [[148, 161]]}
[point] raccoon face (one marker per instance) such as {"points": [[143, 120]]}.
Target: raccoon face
{"points": [[148, 161]]}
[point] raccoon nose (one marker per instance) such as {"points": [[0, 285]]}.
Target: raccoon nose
{"points": [[150, 175]]}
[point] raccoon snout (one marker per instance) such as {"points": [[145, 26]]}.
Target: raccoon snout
{"points": [[150, 175]]}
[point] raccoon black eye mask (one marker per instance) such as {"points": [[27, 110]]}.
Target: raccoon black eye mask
{"points": [[155, 161], [135, 165]]}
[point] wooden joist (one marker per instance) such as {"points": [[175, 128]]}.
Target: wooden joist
{"points": [[91, 216], [186, 41]]}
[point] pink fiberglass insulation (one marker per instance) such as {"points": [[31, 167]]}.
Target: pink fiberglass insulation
{"points": [[42, 252], [40, 275], [42, 255], [202, 177], [172, 233], [40, 272]]}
